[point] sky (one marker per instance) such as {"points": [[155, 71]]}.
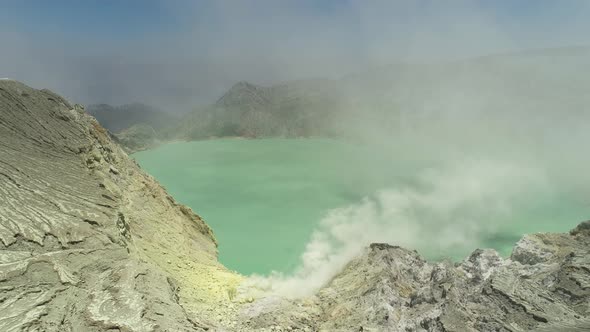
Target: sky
{"points": [[177, 54]]}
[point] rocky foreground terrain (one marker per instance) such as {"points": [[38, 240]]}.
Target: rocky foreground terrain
{"points": [[89, 242]]}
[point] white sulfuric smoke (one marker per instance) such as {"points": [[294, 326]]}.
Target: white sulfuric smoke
{"points": [[451, 207]]}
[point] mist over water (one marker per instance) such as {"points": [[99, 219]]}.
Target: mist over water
{"points": [[264, 197], [293, 212], [442, 158], [447, 214]]}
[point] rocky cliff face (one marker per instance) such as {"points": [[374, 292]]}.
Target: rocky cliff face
{"points": [[543, 286], [89, 242]]}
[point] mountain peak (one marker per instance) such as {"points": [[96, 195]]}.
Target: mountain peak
{"points": [[244, 94]]}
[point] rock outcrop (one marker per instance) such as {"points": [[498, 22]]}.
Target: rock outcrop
{"points": [[89, 242], [543, 286]]}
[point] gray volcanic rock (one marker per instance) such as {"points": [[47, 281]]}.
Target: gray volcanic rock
{"points": [[545, 286], [88, 241]]}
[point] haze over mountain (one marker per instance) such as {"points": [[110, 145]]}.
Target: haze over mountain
{"points": [[178, 55], [117, 118], [137, 126], [391, 99], [385, 102]]}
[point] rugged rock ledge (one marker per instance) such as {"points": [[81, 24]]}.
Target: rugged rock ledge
{"points": [[543, 286], [89, 242]]}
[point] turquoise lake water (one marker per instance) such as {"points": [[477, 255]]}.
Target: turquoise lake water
{"points": [[263, 198]]}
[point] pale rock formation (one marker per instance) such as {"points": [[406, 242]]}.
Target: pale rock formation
{"points": [[544, 286], [89, 242]]}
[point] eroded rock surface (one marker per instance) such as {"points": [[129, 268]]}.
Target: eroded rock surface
{"points": [[544, 286], [88, 241]]}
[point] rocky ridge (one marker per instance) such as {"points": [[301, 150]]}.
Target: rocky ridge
{"points": [[89, 242], [543, 286]]}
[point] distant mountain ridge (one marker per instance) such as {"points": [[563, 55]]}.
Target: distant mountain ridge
{"points": [[118, 118], [248, 110], [417, 99], [401, 97]]}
